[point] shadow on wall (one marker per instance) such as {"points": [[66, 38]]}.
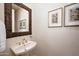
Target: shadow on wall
{"points": [[42, 46]]}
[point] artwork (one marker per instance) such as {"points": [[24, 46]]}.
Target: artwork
{"points": [[72, 15], [22, 24], [55, 18]]}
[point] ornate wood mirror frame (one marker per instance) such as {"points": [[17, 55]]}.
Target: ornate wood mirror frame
{"points": [[8, 20]]}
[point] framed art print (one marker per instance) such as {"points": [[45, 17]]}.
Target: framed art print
{"points": [[22, 24], [55, 18], [71, 15]]}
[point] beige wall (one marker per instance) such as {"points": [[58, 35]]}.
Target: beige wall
{"points": [[51, 41], [2, 12]]}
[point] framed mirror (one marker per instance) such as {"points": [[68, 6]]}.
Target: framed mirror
{"points": [[17, 20]]}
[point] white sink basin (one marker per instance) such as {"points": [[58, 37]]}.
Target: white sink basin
{"points": [[23, 48]]}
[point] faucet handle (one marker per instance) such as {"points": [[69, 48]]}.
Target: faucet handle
{"points": [[19, 43], [25, 40]]}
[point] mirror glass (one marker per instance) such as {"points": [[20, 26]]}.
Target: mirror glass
{"points": [[20, 19]]}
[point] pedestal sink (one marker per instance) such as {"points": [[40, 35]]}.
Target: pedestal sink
{"points": [[20, 49]]}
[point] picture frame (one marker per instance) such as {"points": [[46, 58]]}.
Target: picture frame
{"points": [[71, 15], [22, 24], [55, 18]]}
